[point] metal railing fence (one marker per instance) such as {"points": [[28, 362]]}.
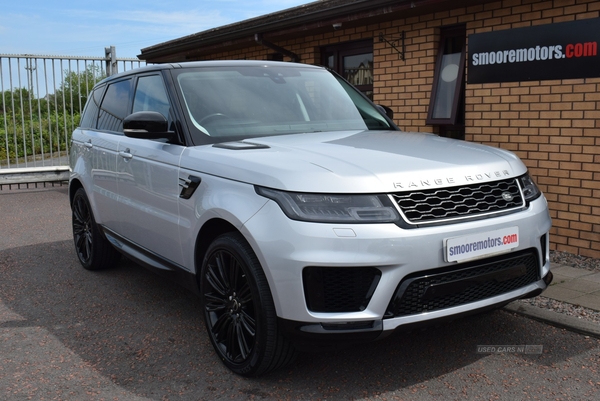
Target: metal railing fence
{"points": [[41, 101]]}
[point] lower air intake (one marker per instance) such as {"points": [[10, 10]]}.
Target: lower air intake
{"points": [[443, 288]]}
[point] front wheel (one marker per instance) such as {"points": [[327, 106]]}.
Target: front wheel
{"points": [[238, 309]]}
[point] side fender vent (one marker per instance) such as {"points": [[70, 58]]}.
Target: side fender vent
{"points": [[188, 186]]}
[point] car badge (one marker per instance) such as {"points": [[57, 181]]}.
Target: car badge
{"points": [[507, 196]]}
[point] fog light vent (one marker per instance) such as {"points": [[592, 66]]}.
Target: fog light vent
{"points": [[339, 289]]}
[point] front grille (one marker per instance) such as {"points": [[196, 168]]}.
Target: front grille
{"points": [[438, 289], [433, 205], [339, 289]]}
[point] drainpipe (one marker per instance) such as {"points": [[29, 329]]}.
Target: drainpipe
{"points": [[259, 39]]}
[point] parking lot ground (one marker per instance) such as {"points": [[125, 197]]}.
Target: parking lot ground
{"points": [[126, 334]]}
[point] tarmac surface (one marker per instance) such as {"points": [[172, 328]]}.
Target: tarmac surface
{"points": [[126, 334]]}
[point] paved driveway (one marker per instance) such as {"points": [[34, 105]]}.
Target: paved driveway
{"points": [[126, 334]]}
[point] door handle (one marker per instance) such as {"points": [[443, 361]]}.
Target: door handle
{"points": [[125, 154], [88, 144]]}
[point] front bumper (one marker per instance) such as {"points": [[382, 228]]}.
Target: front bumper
{"points": [[312, 336], [287, 248]]}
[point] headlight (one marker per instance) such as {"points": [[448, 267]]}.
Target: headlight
{"points": [[530, 190], [333, 208]]}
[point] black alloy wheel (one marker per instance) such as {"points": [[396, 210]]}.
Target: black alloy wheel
{"points": [[238, 309], [92, 248]]}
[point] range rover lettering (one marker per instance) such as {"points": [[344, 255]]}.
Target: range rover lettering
{"points": [[296, 209]]}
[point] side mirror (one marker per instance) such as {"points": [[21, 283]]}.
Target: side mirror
{"points": [[147, 125], [386, 110]]}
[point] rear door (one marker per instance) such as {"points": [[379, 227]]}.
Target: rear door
{"points": [[101, 145]]}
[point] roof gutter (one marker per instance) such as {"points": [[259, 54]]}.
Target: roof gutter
{"points": [[313, 14]]}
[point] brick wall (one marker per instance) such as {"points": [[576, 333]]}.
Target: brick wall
{"points": [[554, 126]]}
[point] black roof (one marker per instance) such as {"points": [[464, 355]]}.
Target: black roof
{"points": [[211, 63]]}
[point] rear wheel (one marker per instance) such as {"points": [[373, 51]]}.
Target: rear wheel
{"points": [[92, 248], [238, 309]]}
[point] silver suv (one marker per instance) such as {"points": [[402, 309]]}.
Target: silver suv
{"points": [[296, 208]]}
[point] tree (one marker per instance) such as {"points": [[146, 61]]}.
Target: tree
{"points": [[75, 88]]}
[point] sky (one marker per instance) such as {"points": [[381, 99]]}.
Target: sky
{"points": [[85, 28]]}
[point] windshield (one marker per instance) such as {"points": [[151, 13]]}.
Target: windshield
{"points": [[233, 103]]}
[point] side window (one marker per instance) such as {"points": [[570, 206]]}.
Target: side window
{"points": [[114, 106], [150, 95], [89, 119]]}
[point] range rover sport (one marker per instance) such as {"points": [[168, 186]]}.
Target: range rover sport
{"points": [[296, 208]]}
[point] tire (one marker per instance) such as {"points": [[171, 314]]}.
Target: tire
{"points": [[92, 248], [238, 309]]}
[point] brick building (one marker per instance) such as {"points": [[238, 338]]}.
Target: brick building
{"points": [[540, 101]]}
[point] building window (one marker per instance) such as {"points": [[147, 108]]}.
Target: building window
{"points": [[353, 61], [446, 105]]}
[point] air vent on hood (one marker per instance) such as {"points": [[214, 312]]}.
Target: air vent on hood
{"points": [[239, 145]]}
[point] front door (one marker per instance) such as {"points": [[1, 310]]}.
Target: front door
{"points": [[148, 180]]}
